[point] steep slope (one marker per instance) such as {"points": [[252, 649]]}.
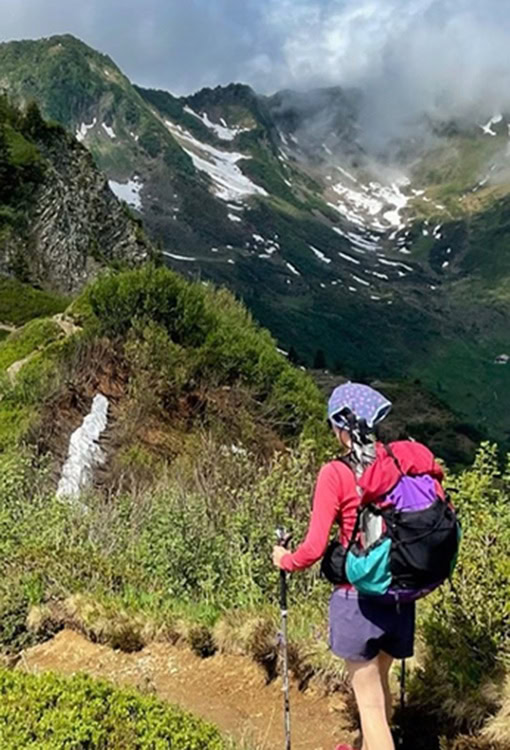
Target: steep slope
{"points": [[59, 222], [392, 260]]}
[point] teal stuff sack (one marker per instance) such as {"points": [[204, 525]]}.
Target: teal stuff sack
{"points": [[369, 570]]}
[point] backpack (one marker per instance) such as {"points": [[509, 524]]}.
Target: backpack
{"points": [[404, 545]]}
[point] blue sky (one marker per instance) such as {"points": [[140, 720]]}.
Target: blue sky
{"points": [[423, 54]]}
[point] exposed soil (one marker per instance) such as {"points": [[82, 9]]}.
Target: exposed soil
{"points": [[231, 691]]}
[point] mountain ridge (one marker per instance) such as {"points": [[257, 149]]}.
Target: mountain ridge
{"points": [[387, 276]]}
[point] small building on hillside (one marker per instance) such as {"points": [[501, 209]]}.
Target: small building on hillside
{"points": [[503, 359]]}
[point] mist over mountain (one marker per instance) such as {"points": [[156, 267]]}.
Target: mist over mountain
{"points": [[412, 61]]}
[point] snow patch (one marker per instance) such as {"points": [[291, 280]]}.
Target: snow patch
{"points": [[487, 129], [348, 257], [360, 281], [347, 174], [320, 255], [128, 191], [108, 130], [292, 268], [85, 454], [182, 257], [222, 131], [234, 218], [82, 131]]}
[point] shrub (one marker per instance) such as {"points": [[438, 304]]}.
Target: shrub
{"points": [[212, 340], [51, 713], [465, 631]]}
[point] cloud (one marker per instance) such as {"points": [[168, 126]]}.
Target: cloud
{"points": [[442, 57]]}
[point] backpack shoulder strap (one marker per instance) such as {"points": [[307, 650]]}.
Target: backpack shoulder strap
{"points": [[390, 453]]}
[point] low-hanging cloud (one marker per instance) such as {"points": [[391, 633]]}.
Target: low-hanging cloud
{"points": [[442, 58]]}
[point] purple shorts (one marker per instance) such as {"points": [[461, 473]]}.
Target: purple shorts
{"points": [[360, 627]]}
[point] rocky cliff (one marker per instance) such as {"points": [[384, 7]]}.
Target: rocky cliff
{"points": [[59, 222]]}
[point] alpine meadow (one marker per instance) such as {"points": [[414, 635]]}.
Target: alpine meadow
{"points": [[184, 279]]}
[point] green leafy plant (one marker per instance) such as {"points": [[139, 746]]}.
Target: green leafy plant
{"points": [[52, 713]]}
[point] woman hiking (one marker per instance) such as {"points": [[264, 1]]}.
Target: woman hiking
{"points": [[368, 632]]}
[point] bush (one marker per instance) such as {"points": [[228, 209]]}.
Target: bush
{"points": [[220, 344], [51, 713], [465, 631]]}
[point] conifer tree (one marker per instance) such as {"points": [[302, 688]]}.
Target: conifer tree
{"points": [[6, 168], [319, 361]]}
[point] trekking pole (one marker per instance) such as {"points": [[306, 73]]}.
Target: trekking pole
{"points": [[402, 701], [283, 539]]}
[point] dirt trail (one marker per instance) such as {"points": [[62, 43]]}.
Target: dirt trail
{"points": [[14, 369], [231, 691], [67, 327], [7, 327]]}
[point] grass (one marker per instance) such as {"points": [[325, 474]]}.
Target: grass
{"points": [[20, 303], [21, 343]]}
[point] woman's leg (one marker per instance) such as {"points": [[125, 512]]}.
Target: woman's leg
{"points": [[385, 661], [370, 698]]}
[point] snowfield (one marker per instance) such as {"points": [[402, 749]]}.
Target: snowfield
{"points": [[229, 183], [372, 206]]}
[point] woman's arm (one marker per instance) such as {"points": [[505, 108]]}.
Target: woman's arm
{"points": [[326, 510]]}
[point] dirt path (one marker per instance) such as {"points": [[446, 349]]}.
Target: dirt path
{"points": [[67, 327], [6, 327], [231, 691], [14, 369]]}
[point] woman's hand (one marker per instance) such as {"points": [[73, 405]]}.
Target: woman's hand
{"points": [[278, 553]]}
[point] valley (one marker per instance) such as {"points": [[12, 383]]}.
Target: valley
{"points": [[393, 261]]}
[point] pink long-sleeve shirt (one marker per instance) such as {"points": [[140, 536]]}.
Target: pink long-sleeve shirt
{"points": [[335, 501]]}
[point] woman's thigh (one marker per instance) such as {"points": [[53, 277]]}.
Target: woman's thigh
{"points": [[368, 687]]}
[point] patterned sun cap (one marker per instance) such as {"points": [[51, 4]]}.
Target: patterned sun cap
{"points": [[362, 400]]}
